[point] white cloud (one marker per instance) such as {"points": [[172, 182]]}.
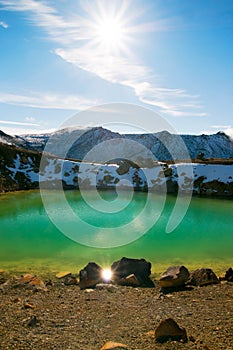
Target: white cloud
{"points": [[11, 130], [227, 129], [4, 24], [8, 122], [30, 119], [50, 101], [221, 127], [229, 132], [76, 38]]}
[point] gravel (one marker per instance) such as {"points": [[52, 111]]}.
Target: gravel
{"points": [[67, 318]]}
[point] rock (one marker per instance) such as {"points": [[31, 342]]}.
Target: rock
{"points": [[174, 276], [37, 284], [33, 321], [150, 334], [203, 277], [3, 278], [31, 282], [24, 279], [106, 286], [90, 276], [70, 280], [112, 345], [140, 268], [229, 275], [49, 283], [130, 281], [169, 330], [28, 306], [63, 274]]}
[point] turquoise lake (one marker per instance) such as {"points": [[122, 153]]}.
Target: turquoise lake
{"points": [[30, 242]]}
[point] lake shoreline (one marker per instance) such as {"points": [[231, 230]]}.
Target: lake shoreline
{"points": [[112, 189]]}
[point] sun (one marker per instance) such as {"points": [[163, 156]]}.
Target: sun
{"points": [[109, 29], [107, 275], [110, 32]]}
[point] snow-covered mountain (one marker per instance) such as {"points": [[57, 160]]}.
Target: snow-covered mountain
{"points": [[82, 141]]}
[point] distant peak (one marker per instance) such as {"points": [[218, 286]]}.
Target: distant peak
{"points": [[221, 133]]}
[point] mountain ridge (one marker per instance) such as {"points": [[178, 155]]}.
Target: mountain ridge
{"points": [[81, 141]]}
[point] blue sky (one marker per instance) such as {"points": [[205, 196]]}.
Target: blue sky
{"points": [[59, 57]]}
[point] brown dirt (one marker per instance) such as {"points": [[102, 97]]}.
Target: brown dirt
{"points": [[70, 318]]}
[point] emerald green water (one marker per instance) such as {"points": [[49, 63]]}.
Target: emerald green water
{"points": [[29, 241]]}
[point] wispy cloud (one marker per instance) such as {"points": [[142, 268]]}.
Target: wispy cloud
{"points": [[48, 100], [76, 39], [30, 119], [221, 127], [8, 122], [4, 24]]}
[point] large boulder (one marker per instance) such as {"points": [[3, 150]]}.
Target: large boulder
{"points": [[203, 277], [170, 330], [127, 269], [174, 276], [90, 275]]}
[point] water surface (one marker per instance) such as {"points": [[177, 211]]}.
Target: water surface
{"points": [[29, 241]]}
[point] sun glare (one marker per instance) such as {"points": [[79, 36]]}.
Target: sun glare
{"points": [[109, 26], [110, 32], [107, 275]]}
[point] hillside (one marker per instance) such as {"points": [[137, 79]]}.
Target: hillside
{"points": [[22, 169]]}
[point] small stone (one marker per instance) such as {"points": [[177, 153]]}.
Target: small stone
{"points": [[37, 284], [16, 300], [130, 281], [192, 339], [33, 321], [24, 279], [49, 283], [70, 281], [28, 306], [112, 345], [169, 330], [30, 281], [106, 286], [150, 334], [63, 274]]}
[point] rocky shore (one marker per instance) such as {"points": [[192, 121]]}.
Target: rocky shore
{"points": [[57, 314]]}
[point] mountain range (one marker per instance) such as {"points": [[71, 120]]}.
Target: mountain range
{"points": [[81, 141], [23, 166]]}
